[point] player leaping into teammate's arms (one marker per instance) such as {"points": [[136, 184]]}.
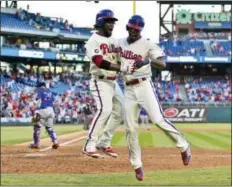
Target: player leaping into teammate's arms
{"points": [[101, 50], [144, 53]]}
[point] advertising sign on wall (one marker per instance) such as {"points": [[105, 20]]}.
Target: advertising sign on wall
{"points": [[67, 56], [32, 54], [186, 114], [184, 16]]}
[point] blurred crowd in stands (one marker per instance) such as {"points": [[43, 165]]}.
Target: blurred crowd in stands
{"points": [[221, 48], [72, 105], [199, 36], [25, 43], [168, 91], [193, 44], [73, 100], [183, 48], [199, 90], [44, 23]]}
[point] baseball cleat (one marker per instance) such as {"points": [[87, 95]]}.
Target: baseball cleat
{"points": [[92, 154], [139, 173], [55, 146], [186, 156], [33, 146], [108, 151]]}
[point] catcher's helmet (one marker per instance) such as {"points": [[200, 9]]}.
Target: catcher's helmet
{"points": [[105, 14], [136, 22]]}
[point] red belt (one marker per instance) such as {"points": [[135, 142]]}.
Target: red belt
{"points": [[108, 78], [135, 81]]}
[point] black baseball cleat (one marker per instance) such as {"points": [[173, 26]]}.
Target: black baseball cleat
{"points": [[55, 145], [33, 146]]}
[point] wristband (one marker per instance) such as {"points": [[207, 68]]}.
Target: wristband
{"points": [[105, 65]]}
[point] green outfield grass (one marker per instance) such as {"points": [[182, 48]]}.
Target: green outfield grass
{"points": [[200, 139], [211, 140], [220, 176], [15, 135]]}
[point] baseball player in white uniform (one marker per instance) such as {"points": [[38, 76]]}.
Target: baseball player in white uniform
{"points": [[113, 123], [101, 50], [140, 91]]}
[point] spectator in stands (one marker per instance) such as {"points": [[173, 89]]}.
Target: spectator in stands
{"points": [[87, 116], [6, 108], [193, 51]]}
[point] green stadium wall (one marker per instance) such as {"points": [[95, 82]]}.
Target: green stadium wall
{"points": [[198, 114], [184, 114], [219, 115]]}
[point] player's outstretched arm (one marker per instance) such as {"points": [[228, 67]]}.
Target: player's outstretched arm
{"points": [[159, 63], [157, 56]]}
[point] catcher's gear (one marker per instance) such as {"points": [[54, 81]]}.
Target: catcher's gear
{"points": [[33, 146], [136, 22], [36, 118], [103, 15]]}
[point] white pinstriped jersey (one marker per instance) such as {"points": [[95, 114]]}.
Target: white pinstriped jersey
{"points": [[140, 49], [100, 45]]}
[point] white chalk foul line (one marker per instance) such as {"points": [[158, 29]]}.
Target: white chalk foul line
{"points": [[65, 143], [50, 147]]}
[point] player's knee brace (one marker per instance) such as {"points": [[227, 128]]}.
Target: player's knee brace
{"points": [[36, 134]]}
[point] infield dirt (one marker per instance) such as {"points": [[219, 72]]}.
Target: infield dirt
{"points": [[69, 159]]}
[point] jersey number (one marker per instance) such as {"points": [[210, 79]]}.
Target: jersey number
{"points": [[48, 96]]}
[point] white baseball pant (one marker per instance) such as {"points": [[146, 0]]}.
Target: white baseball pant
{"points": [[144, 95], [103, 92], [114, 120], [46, 119]]}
